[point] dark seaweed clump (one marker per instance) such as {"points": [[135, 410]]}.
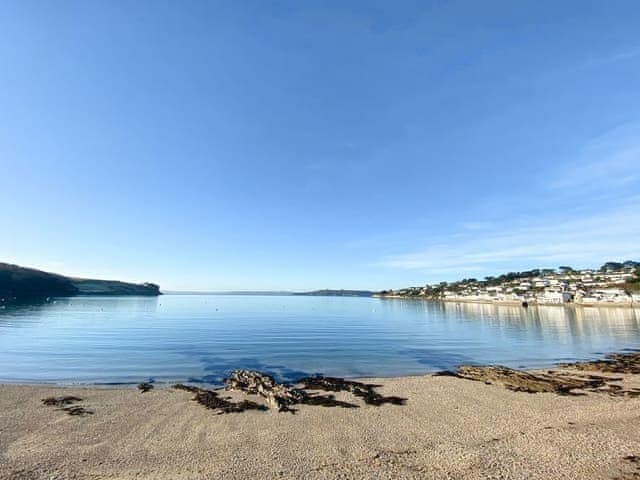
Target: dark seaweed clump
{"points": [[613, 363], [145, 387], [60, 401], [77, 410], [66, 405], [576, 380], [211, 400], [284, 398], [363, 390]]}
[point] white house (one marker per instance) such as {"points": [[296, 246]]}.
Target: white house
{"points": [[555, 296]]}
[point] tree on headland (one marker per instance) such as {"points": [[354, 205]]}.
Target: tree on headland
{"points": [[153, 287], [631, 265], [617, 266], [611, 267]]}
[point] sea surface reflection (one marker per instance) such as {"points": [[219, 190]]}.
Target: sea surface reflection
{"points": [[201, 338]]}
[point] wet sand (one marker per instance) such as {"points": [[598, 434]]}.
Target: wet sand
{"points": [[450, 428]]}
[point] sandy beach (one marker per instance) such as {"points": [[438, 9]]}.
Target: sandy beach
{"points": [[450, 428]]}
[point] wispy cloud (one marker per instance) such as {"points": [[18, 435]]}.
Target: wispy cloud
{"points": [[611, 160], [614, 57], [545, 242], [476, 225], [589, 214]]}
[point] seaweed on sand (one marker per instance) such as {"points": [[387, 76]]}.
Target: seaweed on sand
{"points": [[363, 390], [521, 381], [613, 363], [326, 401], [283, 398], [145, 387], [60, 401], [77, 410], [553, 381], [561, 382], [278, 396], [211, 400], [66, 405]]}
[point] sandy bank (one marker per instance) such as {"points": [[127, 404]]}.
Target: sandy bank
{"points": [[449, 428]]}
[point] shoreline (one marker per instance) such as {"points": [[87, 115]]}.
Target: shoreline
{"points": [[551, 365], [169, 383], [509, 303]]}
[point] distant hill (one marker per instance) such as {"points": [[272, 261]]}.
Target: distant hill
{"points": [[337, 293], [283, 293], [20, 283], [270, 293], [114, 287]]}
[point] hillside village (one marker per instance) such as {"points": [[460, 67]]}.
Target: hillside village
{"points": [[613, 284]]}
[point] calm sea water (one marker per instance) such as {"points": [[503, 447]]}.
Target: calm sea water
{"points": [[202, 338]]}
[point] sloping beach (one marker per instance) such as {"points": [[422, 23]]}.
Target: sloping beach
{"points": [[449, 428]]}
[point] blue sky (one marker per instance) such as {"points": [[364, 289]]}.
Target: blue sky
{"points": [[298, 145]]}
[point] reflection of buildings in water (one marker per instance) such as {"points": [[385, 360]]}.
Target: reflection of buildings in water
{"points": [[621, 322], [401, 305], [555, 320], [453, 311], [559, 323], [547, 324], [509, 314], [513, 320]]}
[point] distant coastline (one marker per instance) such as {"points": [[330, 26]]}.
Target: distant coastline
{"points": [[337, 293], [312, 293], [241, 293], [614, 284]]}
